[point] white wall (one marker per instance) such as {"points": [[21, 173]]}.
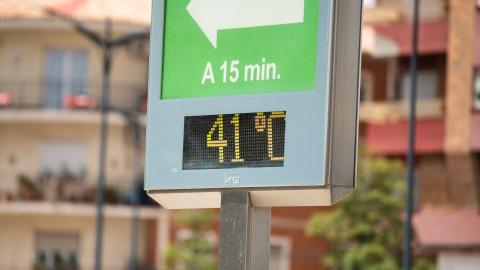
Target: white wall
{"points": [[20, 150], [458, 261], [17, 240]]}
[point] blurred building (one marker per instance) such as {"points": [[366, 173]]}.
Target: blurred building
{"points": [[447, 149], [50, 90]]}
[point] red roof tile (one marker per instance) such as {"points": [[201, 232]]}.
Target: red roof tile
{"points": [[448, 228]]}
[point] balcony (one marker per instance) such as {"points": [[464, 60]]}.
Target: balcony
{"points": [[394, 111], [38, 94], [386, 129], [396, 10], [67, 188]]}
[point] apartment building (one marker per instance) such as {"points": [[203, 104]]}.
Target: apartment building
{"points": [[447, 148], [50, 90]]}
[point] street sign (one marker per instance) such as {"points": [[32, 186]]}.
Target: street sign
{"points": [[239, 47], [259, 95]]}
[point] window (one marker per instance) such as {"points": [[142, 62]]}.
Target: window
{"points": [[66, 74], [56, 251], [63, 159], [280, 248], [476, 90], [366, 86], [427, 87]]}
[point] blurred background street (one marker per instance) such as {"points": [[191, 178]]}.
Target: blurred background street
{"points": [[51, 79]]}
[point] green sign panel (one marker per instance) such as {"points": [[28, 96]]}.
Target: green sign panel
{"points": [[238, 47]]}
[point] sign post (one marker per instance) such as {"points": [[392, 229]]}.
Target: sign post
{"points": [[255, 98]]}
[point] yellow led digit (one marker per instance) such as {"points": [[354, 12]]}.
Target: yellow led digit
{"points": [[260, 122], [270, 133], [220, 143], [236, 123], [237, 140]]}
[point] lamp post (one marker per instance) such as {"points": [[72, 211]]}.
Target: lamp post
{"points": [[407, 251], [107, 44]]}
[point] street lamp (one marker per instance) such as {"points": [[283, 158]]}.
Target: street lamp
{"points": [[107, 44]]}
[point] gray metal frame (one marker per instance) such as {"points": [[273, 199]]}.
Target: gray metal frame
{"points": [[244, 233], [321, 124]]}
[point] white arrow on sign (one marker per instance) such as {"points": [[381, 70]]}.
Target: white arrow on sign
{"points": [[214, 15]]}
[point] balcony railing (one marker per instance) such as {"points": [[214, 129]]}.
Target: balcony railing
{"points": [[429, 9], [25, 93], [393, 111], [24, 187], [397, 10]]}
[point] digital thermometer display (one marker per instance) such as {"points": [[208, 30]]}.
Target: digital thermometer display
{"points": [[234, 140]]}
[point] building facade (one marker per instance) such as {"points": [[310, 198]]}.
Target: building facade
{"points": [[50, 89], [447, 153], [51, 79]]}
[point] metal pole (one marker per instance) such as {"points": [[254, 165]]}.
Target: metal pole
{"points": [[244, 233], [235, 214], [407, 254], [135, 199], [108, 45], [261, 225], [103, 138]]}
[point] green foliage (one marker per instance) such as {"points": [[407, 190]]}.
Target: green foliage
{"points": [[195, 252], [365, 229], [72, 261], [40, 261], [58, 259], [196, 220], [29, 190], [26, 182]]}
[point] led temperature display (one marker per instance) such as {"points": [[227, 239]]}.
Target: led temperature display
{"points": [[234, 140]]}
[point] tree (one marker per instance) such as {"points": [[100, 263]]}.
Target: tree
{"points": [[194, 252], [366, 229]]}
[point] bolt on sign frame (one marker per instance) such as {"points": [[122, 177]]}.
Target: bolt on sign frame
{"points": [[243, 96]]}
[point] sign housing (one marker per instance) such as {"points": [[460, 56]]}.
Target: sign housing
{"points": [[278, 98], [238, 47]]}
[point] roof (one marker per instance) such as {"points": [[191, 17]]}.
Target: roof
{"points": [[448, 228], [118, 11]]}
